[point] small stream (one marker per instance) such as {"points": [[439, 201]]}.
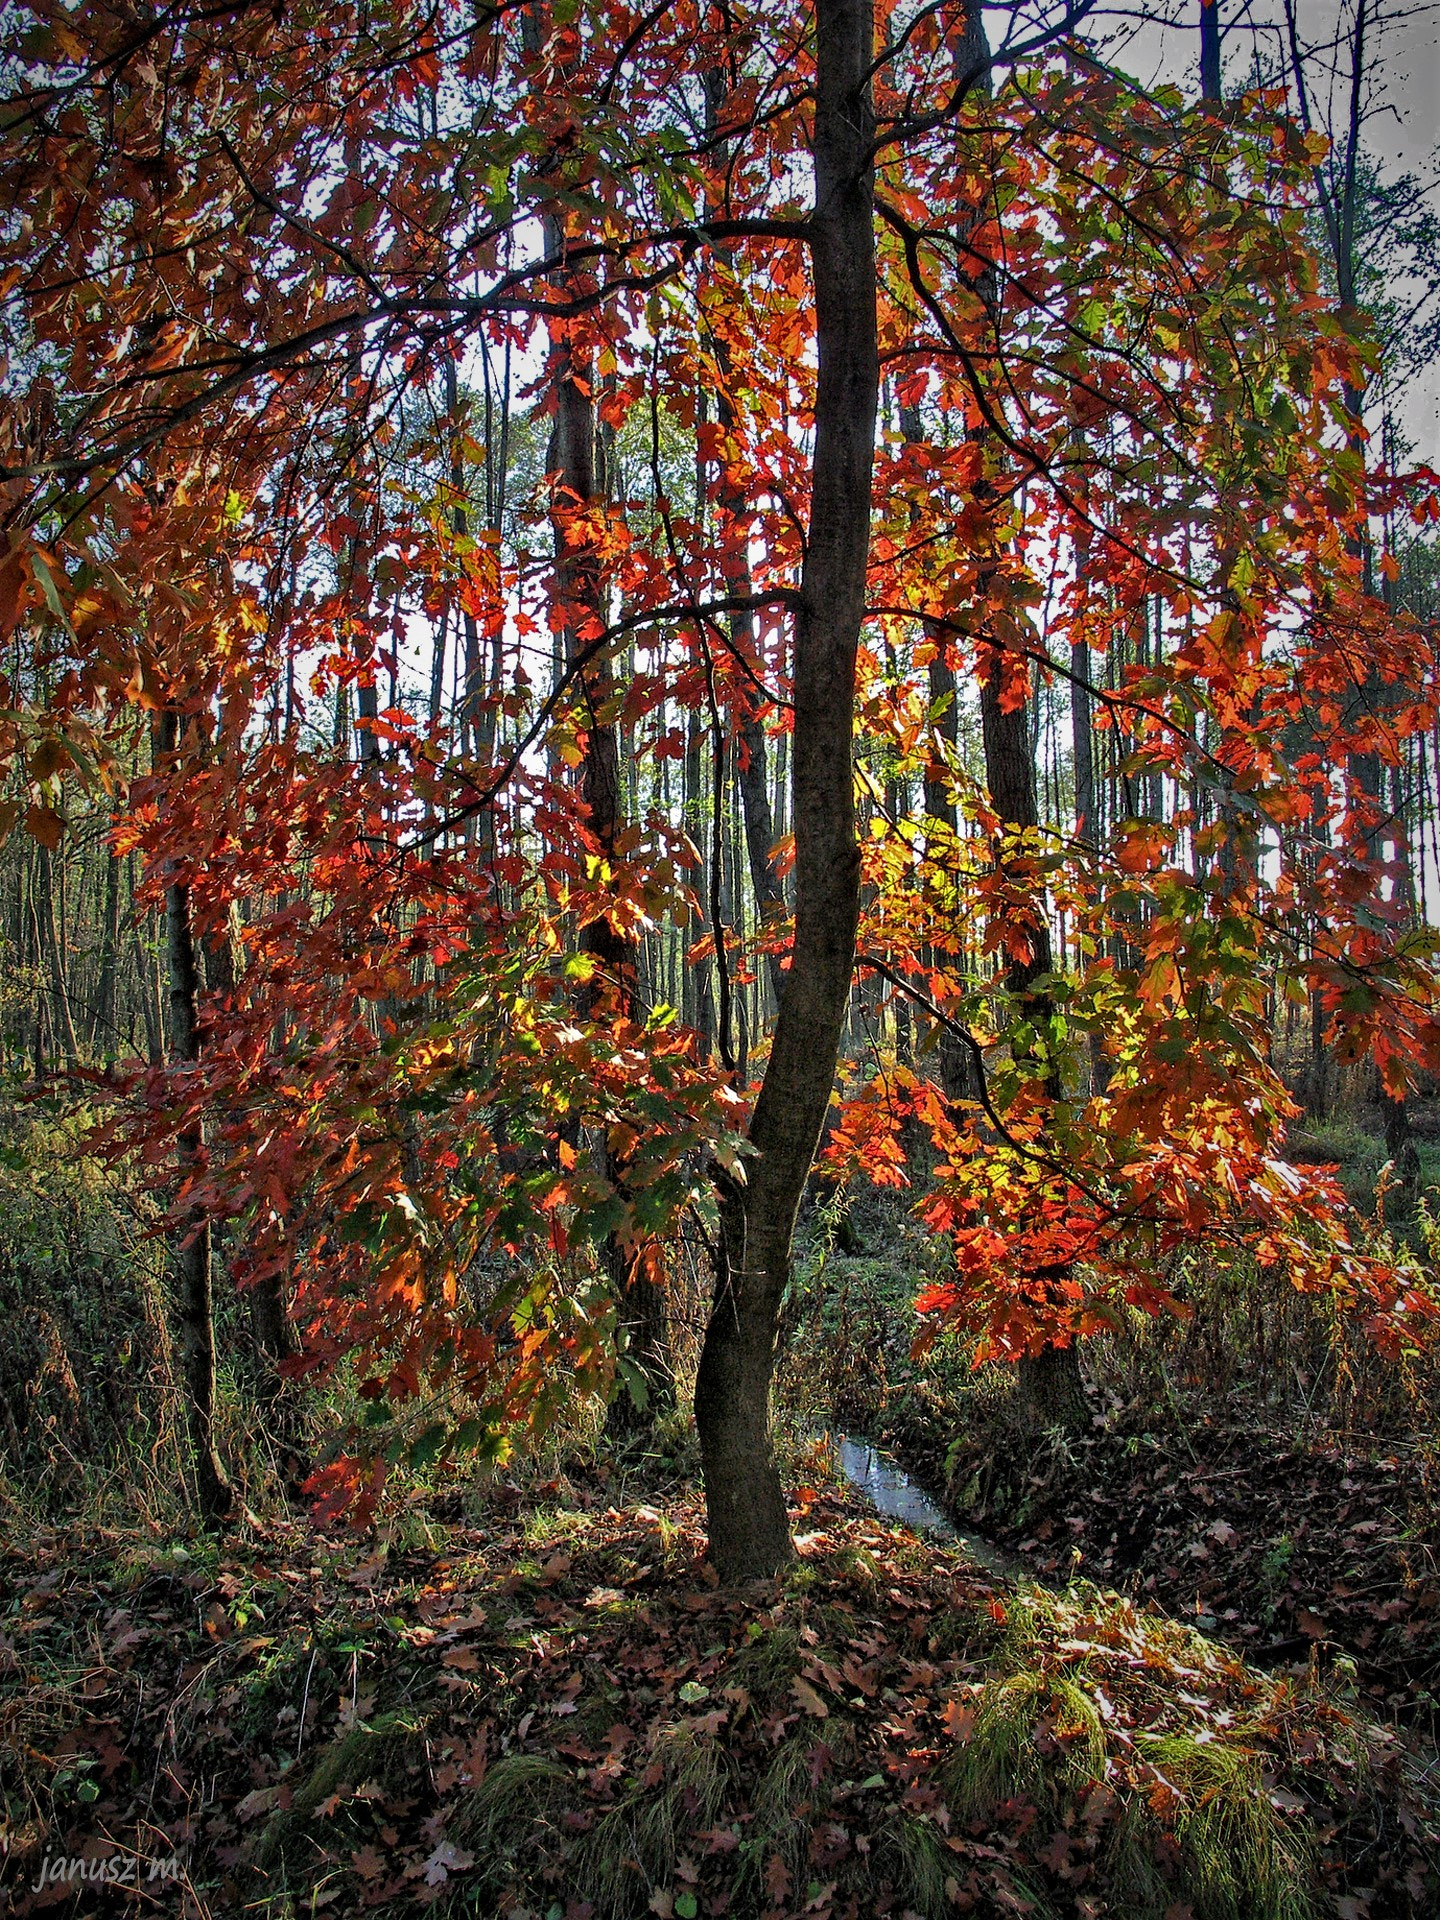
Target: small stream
{"points": [[891, 1491]]}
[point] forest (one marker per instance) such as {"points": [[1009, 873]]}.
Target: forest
{"points": [[719, 977]]}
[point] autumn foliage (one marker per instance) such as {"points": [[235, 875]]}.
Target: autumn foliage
{"points": [[238, 491]]}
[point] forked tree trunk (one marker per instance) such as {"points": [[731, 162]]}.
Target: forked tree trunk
{"points": [[193, 1255], [749, 1534]]}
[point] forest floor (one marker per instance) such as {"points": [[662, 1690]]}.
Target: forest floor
{"points": [[546, 1709], [1216, 1699], [1302, 1553], [1254, 1471]]}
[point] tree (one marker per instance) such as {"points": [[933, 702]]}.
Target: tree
{"points": [[1400, 230], [749, 1533], [1055, 1171], [436, 1106]]}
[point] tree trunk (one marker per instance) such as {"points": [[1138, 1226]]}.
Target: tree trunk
{"points": [[735, 567], [1051, 1389], [698, 1000], [146, 983], [276, 1339], [104, 1035], [1083, 742], [957, 1075], [749, 1534], [1210, 51], [578, 483], [1052, 1392], [53, 936], [1340, 189], [195, 1306]]}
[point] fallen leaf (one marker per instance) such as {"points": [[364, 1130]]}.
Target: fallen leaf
{"points": [[809, 1700], [958, 1720], [445, 1860], [368, 1862]]}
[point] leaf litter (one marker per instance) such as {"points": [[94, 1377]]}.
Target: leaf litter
{"points": [[582, 1725]]}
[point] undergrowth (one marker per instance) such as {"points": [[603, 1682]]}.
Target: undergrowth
{"points": [[558, 1715]]}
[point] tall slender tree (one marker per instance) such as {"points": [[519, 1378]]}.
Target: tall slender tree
{"points": [[749, 1534]]}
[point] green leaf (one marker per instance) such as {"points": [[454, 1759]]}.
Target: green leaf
{"points": [[638, 1388], [429, 1445]]}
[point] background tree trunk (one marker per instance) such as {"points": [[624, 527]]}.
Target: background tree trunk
{"points": [[193, 1254], [1052, 1392], [1051, 1389], [957, 1073], [104, 1034], [574, 461], [1210, 51], [752, 778]]}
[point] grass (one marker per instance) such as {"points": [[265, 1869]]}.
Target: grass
{"points": [[369, 1752], [1241, 1848], [557, 1711], [638, 1845]]}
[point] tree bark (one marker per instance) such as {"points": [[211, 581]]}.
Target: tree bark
{"points": [[957, 1076], [749, 1534], [1210, 51], [54, 947], [1340, 188], [577, 485], [104, 1036], [735, 565], [193, 1260], [1082, 727], [1050, 1385], [1052, 1392]]}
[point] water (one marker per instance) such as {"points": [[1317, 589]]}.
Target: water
{"points": [[891, 1491]]}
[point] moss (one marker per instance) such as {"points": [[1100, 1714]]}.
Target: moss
{"points": [[376, 1750], [767, 1662]]}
